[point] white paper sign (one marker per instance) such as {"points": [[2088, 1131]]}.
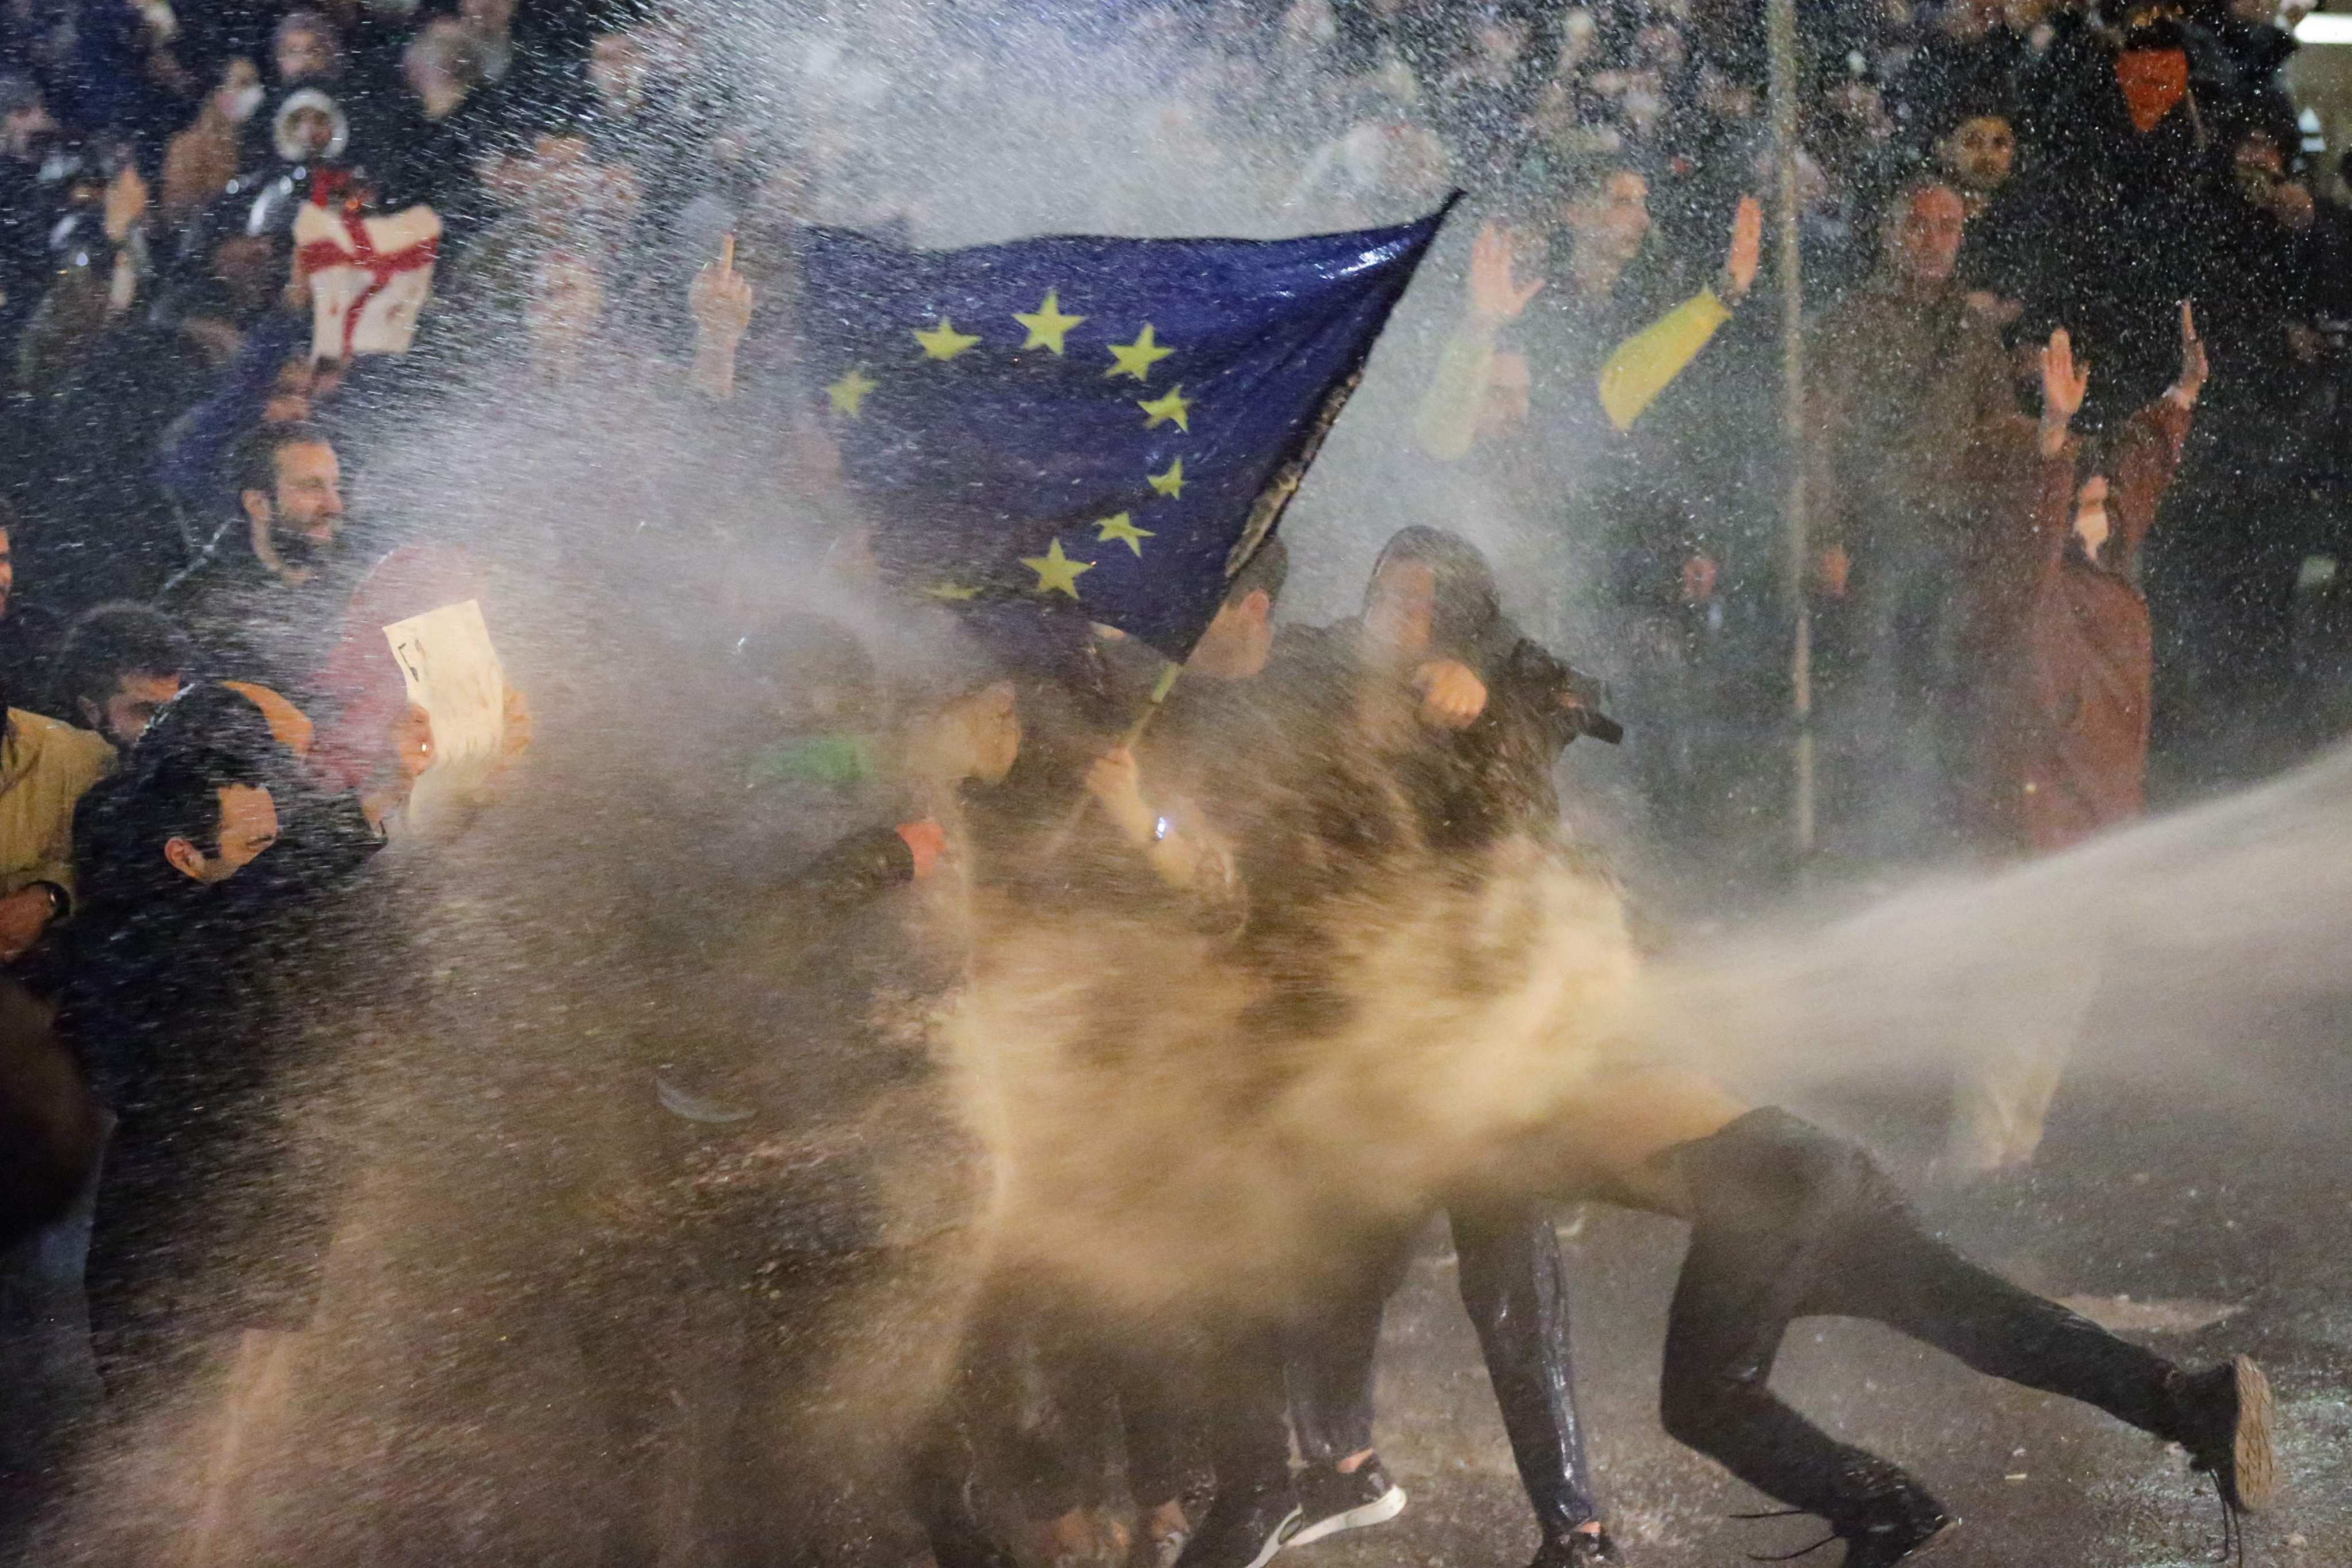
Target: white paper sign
{"points": [[452, 671]]}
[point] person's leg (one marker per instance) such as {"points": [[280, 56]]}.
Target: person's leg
{"points": [[1516, 1291], [2027, 1025], [1167, 1468], [1330, 1354], [1256, 1509], [1788, 1221]]}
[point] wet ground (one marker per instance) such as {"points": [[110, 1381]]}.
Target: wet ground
{"points": [[2192, 1214]]}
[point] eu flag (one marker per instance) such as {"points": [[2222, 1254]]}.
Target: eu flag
{"points": [[1105, 426]]}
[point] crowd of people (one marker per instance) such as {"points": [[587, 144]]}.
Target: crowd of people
{"points": [[2075, 286]]}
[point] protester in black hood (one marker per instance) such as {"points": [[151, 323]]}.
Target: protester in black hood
{"points": [[1494, 708], [1434, 613]]}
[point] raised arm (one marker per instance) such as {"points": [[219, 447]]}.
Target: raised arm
{"points": [[721, 299], [1646, 364], [2029, 489], [2148, 451], [1446, 423]]}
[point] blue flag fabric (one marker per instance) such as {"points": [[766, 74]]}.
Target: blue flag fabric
{"points": [[1105, 426]]}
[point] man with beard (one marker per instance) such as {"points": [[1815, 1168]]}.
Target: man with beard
{"points": [[262, 595]]}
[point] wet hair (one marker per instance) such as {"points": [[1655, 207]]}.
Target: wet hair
{"points": [[180, 798], [256, 466], [1467, 604], [108, 642], [212, 719]]}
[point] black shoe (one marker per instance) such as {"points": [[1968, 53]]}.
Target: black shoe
{"points": [[1332, 1500], [1244, 1527], [1576, 1550], [2223, 1418], [1894, 1521]]}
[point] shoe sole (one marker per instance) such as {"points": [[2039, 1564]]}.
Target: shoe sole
{"points": [[2254, 1462], [1380, 1510], [1934, 1543], [1277, 1539]]}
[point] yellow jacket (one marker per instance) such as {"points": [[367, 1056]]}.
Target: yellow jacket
{"points": [[44, 766], [1638, 370]]}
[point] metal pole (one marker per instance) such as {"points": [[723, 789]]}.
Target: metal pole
{"points": [[1781, 38]]}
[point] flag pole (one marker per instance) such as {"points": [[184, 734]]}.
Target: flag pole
{"points": [[1151, 706], [1781, 38]]}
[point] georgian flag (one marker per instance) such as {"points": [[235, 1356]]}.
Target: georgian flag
{"points": [[370, 277]]}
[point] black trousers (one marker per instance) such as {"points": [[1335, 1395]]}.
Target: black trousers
{"points": [[1791, 1222], [1516, 1291]]}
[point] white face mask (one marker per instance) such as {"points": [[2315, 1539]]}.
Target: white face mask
{"points": [[239, 105]]}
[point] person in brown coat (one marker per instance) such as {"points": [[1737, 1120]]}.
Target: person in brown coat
{"points": [[2056, 679]]}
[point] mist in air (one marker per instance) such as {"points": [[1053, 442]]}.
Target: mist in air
{"points": [[1101, 1110]]}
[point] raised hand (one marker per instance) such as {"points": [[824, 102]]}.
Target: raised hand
{"points": [[2064, 385], [2193, 365], [1494, 295], [1746, 247]]}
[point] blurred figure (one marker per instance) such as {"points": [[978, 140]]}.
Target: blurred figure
{"points": [[201, 161], [29, 631], [118, 666], [1433, 626], [432, 156], [1908, 379], [2057, 678], [1976, 153], [44, 769], [2254, 502]]}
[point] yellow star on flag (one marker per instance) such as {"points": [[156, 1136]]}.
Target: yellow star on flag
{"points": [[1172, 483], [1056, 573], [1121, 528], [943, 341], [1174, 407], [1136, 358], [1048, 326], [955, 591], [849, 392]]}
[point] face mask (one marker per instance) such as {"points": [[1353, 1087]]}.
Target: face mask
{"points": [[241, 104], [2153, 82]]}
